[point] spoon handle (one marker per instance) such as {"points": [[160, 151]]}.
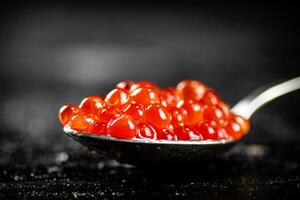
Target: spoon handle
{"points": [[249, 104]]}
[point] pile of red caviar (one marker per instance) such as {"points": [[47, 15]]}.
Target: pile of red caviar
{"points": [[189, 111]]}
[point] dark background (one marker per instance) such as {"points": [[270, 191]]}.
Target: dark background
{"points": [[52, 53]]}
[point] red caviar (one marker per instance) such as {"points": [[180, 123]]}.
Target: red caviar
{"points": [[81, 122], [192, 112], [191, 89], [122, 127], [92, 104], [215, 114], [117, 97], [189, 111], [66, 112], [147, 131], [144, 96], [135, 110], [158, 116]]}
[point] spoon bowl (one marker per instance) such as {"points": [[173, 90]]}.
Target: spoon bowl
{"points": [[143, 151], [140, 151]]}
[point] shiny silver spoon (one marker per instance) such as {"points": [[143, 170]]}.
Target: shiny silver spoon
{"points": [[142, 151]]}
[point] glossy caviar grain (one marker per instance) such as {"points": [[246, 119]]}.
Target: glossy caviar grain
{"points": [[135, 110], [147, 131], [122, 126], [81, 122], [207, 131], [177, 116], [168, 97], [107, 113], [234, 129], [189, 111], [144, 96], [92, 104], [98, 128], [166, 134], [117, 97], [192, 112], [184, 133], [157, 116], [210, 98], [245, 125], [190, 89], [214, 113], [66, 112]]}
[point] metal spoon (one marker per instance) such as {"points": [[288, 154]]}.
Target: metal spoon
{"points": [[141, 151]]}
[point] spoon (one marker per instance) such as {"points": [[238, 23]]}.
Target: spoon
{"points": [[142, 151]]}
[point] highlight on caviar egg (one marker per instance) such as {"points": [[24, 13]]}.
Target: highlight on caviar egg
{"points": [[142, 110]]}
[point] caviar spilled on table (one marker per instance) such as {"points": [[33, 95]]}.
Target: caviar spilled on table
{"points": [[142, 110]]}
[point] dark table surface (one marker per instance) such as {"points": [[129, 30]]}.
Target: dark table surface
{"points": [[56, 53]]}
